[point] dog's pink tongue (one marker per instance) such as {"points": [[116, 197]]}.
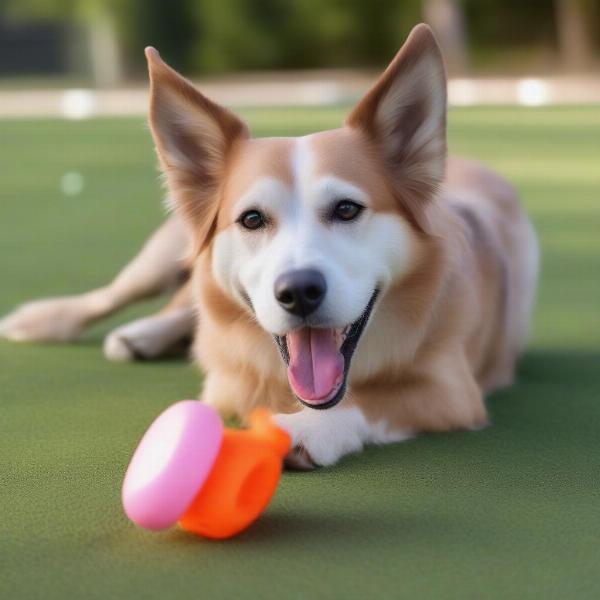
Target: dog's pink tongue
{"points": [[316, 365]]}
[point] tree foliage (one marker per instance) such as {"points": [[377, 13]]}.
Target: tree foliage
{"points": [[220, 35]]}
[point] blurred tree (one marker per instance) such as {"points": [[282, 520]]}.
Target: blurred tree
{"points": [[98, 17], [238, 34], [253, 34], [356, 33], [446, 17], [573, 18], [169, 26], [505, 32], [210, 36]]}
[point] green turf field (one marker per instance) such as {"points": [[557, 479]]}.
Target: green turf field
{"points": [[509, 512]]}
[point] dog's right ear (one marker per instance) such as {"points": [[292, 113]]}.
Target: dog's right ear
{"points": [[194, 138]]}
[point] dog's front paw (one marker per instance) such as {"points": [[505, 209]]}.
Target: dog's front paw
{"points": [[119, 348], [52, 320], [299, 459], [322, 437], [148, 338]]}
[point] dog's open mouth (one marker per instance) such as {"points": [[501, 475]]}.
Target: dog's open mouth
{"points": [[318, 359]]}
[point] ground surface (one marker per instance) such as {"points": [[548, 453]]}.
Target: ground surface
{"points": [[509, 512]]}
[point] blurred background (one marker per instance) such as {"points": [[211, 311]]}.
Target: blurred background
{"points": [[317, 51], [524, 92]]}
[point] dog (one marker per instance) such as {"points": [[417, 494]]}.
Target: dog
{"points": [[359, 282]]}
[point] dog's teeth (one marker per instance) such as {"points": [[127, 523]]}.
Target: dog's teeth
{"points": [[341, 334]]}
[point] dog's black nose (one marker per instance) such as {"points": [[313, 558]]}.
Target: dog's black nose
{"points": [[300, 292]]}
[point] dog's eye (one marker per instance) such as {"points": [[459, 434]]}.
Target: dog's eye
{"points": [[252, 219], [346, 210]]}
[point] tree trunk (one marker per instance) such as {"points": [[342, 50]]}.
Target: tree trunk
{"points": [[447, 21], [574, 36], [104, 51]]}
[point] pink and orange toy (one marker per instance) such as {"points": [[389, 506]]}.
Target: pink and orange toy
{"points": [[190, 469]]}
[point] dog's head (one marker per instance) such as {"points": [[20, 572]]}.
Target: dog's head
{"points": [[307, 232]]}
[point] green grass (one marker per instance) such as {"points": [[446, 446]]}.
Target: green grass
{"points": [[509, 512]]}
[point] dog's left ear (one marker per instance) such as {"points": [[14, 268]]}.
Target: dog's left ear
{"points": [[194, 139], [404, 113]]}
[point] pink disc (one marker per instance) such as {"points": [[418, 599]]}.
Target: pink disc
{"points": [[171, 463]]}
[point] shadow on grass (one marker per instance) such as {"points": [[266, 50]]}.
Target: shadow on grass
{"points": [[280, 527], [542, 445]]}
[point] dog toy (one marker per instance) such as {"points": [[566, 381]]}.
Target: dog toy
{"points": [[214, 481]]}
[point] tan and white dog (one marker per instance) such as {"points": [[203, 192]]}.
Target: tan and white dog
{"points": [[356, 281]]}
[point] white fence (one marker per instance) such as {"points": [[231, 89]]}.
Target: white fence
{"points": [[322, 88]]}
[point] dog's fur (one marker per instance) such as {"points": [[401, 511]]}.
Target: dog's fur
{"points": [[445, 242]]}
